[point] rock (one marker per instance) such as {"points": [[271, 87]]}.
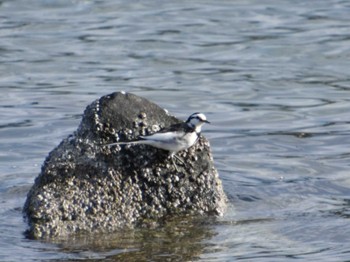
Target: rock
{"points": [[85, 186]]}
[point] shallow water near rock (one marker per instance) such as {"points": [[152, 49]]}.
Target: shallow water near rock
{"points": [[272, 77]]}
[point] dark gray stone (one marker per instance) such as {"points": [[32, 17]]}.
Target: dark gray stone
{"points": [[87, 187]]}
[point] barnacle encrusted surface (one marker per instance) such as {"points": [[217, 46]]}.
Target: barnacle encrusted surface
{"points": [[85, 186]]}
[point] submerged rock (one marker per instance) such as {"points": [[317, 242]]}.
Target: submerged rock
{"points": [[87, 187]]}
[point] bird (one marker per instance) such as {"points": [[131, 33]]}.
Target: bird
{"points": [[175, 138]]}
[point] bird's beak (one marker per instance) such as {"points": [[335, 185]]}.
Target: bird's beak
{"points": [[206, 121]]}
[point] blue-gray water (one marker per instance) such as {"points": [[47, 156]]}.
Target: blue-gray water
{"points": [[272, 76]]}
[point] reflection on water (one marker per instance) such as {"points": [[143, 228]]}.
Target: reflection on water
{"points": [[179, 239], [272, 77]]}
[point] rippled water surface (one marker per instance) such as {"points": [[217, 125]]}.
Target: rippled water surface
{"points": [[272, 76]]}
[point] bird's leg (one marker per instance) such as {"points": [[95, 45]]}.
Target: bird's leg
{"points": [[179, 159], [172, 156], [172, 159]]}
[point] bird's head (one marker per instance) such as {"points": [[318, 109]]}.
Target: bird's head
{"points": [[196, 120]]}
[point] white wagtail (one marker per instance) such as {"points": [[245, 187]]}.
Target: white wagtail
{"points": [[174, 138]]}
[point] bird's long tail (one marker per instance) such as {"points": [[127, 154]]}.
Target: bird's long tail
{"points": [[128, 143]]}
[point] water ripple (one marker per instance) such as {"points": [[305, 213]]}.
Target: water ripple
{"points": [[271, 77]]}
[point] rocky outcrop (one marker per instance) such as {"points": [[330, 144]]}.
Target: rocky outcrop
{"points": [[85, 186]]}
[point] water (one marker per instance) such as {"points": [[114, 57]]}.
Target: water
{"points": [[272, 77]]}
